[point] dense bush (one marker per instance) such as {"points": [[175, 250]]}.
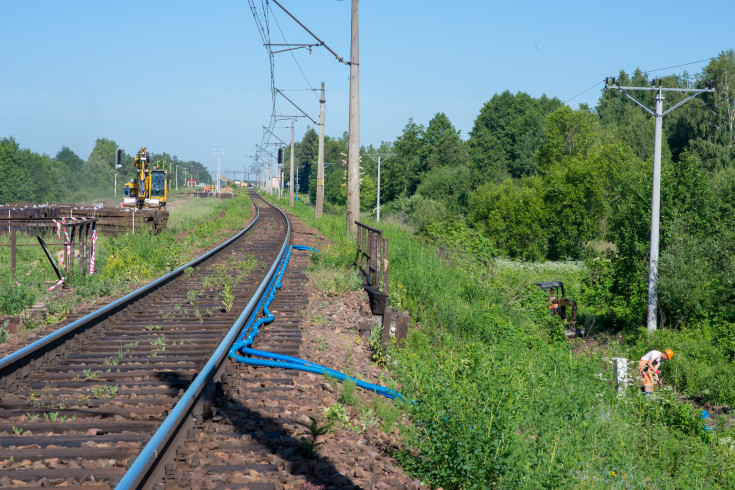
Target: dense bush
{"points": [[500, 399]]}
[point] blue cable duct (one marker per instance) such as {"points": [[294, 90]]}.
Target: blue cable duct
{"points": [[270, 359]]}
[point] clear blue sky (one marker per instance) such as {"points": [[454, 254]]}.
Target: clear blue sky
{"points": [[189, 76]]}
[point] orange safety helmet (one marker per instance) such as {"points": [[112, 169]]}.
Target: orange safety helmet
{"points": [[669, 353]]}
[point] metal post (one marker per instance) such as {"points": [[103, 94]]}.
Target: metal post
{"points": [[378, 203], [13, 230], [655, 216], [270, 174], [353, 159], [290, 175], [320, 160], [379, 161]]}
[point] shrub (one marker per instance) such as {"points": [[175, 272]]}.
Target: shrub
{"points": [[14, 299]]}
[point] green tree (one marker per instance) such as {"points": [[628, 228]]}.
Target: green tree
{"points": [[368, 193], [449, 185], [16, 178], [70, 159], [568, 133], [443, 144], [513, 216], [99, 167], [507, 134], [401, 172], [306, 158], [622, 120]]}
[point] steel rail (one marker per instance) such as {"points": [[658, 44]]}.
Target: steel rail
{"points": [[147, 466], [21, 359]]}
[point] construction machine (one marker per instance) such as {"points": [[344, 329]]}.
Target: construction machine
{"points": [[149, 189], [560, 306]]}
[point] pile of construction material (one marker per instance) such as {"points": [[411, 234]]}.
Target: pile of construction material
{"points": [[111, 220]]}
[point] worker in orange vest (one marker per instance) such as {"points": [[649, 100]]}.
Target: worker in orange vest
{"points": [[650, 368], [553, 302]]}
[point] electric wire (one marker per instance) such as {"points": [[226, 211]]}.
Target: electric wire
{"points": [[677, 66], [585, 91], [644, 71], [263, 26], [291, 52], [264, 30]]}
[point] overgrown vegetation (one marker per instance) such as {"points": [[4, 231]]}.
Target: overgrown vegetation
{"points": [[502, 399]]}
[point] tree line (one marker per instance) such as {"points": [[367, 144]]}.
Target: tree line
{"points": [[27, 176], [539, 180]]}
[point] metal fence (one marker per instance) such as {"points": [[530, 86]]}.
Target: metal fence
{"points": [[74, 236]]}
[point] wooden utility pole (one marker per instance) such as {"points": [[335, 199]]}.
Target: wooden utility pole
{"points": [[353, 153], [320, 160], [290, 175]]}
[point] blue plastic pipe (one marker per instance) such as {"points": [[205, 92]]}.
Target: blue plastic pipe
{"points": [[269, 359]]}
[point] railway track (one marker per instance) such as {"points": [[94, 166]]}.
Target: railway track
{"points": [[126, 395]]}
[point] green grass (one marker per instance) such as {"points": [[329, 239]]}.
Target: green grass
{"points": [[191, 214], [502, 400]]}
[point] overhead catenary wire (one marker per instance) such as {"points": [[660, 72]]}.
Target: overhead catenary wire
{"points": [[292, 54], [339, 58], [644, 71]]}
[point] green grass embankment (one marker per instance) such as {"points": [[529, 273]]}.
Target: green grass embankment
{"points": [[502, 400]]}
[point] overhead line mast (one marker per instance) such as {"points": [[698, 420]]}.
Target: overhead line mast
{"points": [[656, 192]]}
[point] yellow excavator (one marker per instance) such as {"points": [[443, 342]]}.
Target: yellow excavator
{"points": [[149, 188]]}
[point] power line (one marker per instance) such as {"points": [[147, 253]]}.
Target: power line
{"points": [[677, 66], [291, 52], [321, 43], [644, 71], [585, 91]]}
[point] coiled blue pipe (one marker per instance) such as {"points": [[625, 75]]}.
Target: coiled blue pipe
{"points": [[270, 359]]}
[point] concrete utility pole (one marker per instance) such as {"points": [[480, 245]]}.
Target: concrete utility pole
{"points": [[290, 175], [353, 157], [656, 194], [219, 153], [379, 155], [320, 160]]}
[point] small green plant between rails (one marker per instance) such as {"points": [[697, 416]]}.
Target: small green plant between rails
{"points": [[101, 392], [380, 411], [314, 430]]}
